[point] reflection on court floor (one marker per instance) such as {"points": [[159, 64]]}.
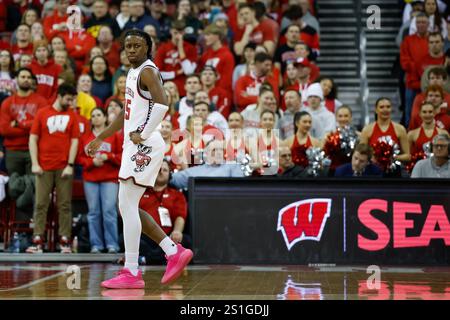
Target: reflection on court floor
{"points": [[51, 281]]}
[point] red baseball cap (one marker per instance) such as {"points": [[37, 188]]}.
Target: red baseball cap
{"points": [[302, 61]]}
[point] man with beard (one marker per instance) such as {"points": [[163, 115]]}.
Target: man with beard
{"points": [[53, 147], [16, 117]]}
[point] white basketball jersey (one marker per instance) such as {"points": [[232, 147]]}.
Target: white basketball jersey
{"points": [[138, 103]]}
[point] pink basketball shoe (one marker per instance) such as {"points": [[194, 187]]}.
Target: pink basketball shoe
{"points": [[125, 280], [176, 263]]}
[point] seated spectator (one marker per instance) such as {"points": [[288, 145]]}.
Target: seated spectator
{"points": [[25, 61], [57, 44], [436, 76], [186, 104], [218, 96], [215, 119], [7, 83], [307, 17], [247, 63], [435, 96], [266, 101], [330, 93], [101, 78], [413, 50], [222, 21], [426, 132], [118, 90], [46, 71], [57, 21], [159, 12], [286, 52], [360, 165], [124, 14], [303, 77], [37, 32], [113, 109], [100, 17], [415, 8], [252, 30], [218, 56], [193, 24], [109, 47], [214, 166], [94, 52], [24, 44], [308, 35], [67, 75], [437, 22], [293, 101], [100, 176], [85, 100], [152, 32], [302, 140], [288, 169], [303, 51], [438, 165], [176, 58], [440, 75], [16, 117], [168, 208], [167, 133], [173, 98], [248, 86], [323, 121], [124, 66], [53, 151]]}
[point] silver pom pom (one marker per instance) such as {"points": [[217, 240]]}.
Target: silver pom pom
{"points": [[318, 162], [348, 138]]}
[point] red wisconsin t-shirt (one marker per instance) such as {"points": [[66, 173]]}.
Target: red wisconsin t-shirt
{"points": [[171, 199], [55, 130]]}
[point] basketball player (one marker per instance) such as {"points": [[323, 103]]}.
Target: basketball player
{"points": [[143, 153]]}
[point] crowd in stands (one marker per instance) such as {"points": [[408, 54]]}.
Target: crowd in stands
{"points": [[243, 84]]}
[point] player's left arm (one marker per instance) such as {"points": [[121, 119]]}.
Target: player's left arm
{"points": [[150, 81]]}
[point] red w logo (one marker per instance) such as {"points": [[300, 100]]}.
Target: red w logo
{"points": [[303, 220]]}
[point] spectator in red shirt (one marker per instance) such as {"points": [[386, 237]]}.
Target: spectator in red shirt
{"points": [[413, 49], [53, 148], [286, 52], [247, 87], [218, 56], [100, 175], [230, 9], [253, 31], [436, 76], [219, 97], [78, 46], [16, 117], [176, 58], [56, 22], [109, 47], [23, 45], [168, 208], [435, 96], [46, 71]]}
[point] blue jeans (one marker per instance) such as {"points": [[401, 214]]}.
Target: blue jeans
{"points": [[101, 198], [410, 95]]}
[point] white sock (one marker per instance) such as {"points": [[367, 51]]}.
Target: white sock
{"points": [[168, 246], [130, 263]]}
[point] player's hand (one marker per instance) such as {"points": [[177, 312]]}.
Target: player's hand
{"points": [[176, 236], [93, 146], [135, 137], [67, 172], [36, 169]]}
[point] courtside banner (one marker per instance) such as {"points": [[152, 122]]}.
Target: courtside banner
{"points": [[320, 221]]}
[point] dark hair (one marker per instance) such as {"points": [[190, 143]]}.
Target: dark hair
{"points": [[435, 34], [245, 5], [262, 56], [24, 69], [116, 101], [11, 66], [299, 95], [381, 99], [65, 89], [107, 72], [334, 91], [143, 35], [438, 71], [364, 149], [425, 103], [200, 103], [194, 75], [437, 17], [297, 116], [293, 25], [24, 24], [344, 106], [103, 111], [294, 12], [265, 87], [260, 9], [267, 111]]}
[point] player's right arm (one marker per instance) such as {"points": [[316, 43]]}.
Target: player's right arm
{"points": [[115, 126]]}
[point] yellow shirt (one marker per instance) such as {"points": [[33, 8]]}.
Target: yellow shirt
{"points": [[86, 103]]}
